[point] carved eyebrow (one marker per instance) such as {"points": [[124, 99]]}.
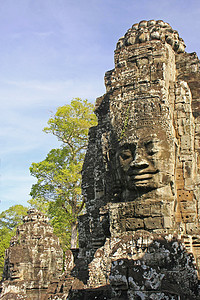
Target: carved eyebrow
{"points": [[127, 147], [151, 142]]}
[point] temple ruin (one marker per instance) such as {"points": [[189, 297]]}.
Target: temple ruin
{"points": [[32, 261], [140, 235]]}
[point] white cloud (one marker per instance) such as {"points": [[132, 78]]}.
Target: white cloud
{"points": [[14, 94], [10, 179], [51, 86], [43, 34]]}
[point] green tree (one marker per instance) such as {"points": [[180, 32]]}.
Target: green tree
{"points": [[61, 223], [9, 220], [40, 204], [12, 217], [59, 175], [5, 237], [58, 218]]}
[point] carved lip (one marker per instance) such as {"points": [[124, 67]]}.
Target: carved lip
{"points": [[142, 174], [15, 276]]}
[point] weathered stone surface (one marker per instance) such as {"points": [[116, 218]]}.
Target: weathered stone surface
{"points": [[142, 265], [160, 269], [102, 293], [141, 171], [152, 30], [33, 259], [140, 236]]}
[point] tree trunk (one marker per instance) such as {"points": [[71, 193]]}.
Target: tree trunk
{"points": [[74, 232]]}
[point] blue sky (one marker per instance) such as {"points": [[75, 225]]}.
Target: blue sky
{"points": [[54, 50]]}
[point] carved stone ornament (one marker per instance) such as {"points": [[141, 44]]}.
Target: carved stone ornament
{"points": [[140, 235], [141, 171]]}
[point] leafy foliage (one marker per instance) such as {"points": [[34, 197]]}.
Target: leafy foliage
{"points": [[39, 204], [59, 174], [61, 223], [12, 217], [5, 237], [9, 220], [71, 123]]}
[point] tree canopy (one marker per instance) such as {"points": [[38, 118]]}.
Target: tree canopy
{"points": [[59, 174], [9, 220], [12, 217]]}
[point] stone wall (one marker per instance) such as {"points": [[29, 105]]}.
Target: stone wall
{"points": [[33, 259], [141, 171], [140, 236]]}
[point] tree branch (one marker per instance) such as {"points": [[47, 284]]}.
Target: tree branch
{"points": [[65, 209], [81, 207]]}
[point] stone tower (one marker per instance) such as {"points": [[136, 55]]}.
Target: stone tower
{"points": [[141, 171], [33, 259], [140, 236]]}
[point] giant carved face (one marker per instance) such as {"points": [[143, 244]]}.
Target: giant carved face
{"points": [[16, 265], [146, 163]]}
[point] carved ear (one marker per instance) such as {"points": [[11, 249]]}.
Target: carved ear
{"points": [[117, 190], [112, 153], [105, 144]]}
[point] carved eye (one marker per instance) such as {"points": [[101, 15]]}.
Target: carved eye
{"points": [[125, 155], [152, 152], [152, 147]]}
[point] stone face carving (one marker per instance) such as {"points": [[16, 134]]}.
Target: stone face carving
{"points": [[33, 259], [141, 171], [142, 166], [140, 236]]}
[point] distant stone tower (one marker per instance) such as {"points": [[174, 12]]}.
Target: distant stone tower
{"points": [[141, 171], [33, 259]]}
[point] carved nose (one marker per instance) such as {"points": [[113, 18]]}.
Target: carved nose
{"points": [[139, 162]]}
